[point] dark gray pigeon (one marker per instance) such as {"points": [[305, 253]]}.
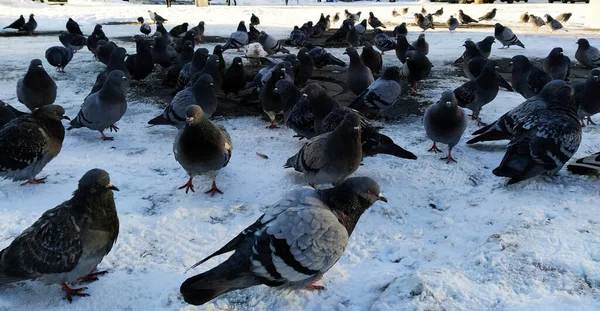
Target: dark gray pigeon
{"points": [[400, 30], [8, 113], [402, 47], [587, 55], [160, 51], [341, 33], [382, 41], [179, 30], [145, 29], [189, 69], [297, 37], [424, 23], [18, 24], [536, 21], [211, 68], [485, 46], [59, 57], [361, 28], [254, 20], [587, 96], [67, 243], [330, 157], [474, 94], [238, 39], [305, 69], [465, 19], [202, 94], [30, 26], [381, 94], [358, 76], [73, 27], [141, 64], [234, 77], [172, 75], [269, 100], [557, 65], [92, 40], [292, 245], [289, 95], [489, 15], [29, 142], [102, 109], [452, 23], [374, 21], [543, 143], [270, 44], [421, 44], [506, 36], [439, 12], [72, 41], [589, 165], [504, 127], [476, 66], [416, 68], [116, 62], [301, 118], [321, 57], [554, 24], [352, 37], [371, 58], [527, 79], [198, 32], [202, 148], [37, 88], [471, 52], [445, 123], [105, 50]]}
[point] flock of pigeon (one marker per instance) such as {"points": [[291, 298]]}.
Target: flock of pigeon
{"points": [[302, 236]]}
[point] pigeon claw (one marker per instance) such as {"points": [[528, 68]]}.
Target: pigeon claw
{"points": [[589, 121], [213, 190], [449, 158], [188, 186], [272, 125], [73, 292], [92, 277], [34, 181], [434, 148], [312, 285], [413, 90]]}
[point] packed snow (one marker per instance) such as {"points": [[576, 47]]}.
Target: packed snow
{"points": [[452, 237]]}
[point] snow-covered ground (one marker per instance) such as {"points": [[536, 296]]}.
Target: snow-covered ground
{"points": [[453, 237]]}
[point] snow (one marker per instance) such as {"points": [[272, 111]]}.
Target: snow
{"points": [[453, 237]]}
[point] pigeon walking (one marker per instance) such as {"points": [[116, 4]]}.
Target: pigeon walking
{"points": [[254, 20], [439, 12], [416, 68], [554, 24], [30, 26], [371, 58], [489, 15], [37, 88], [527, 79], [445, 123], [270, 44], [116, 62], [202, 148], [358, 76], [424, 23], [238, 39], [59, 57], [506, 36], [477, 93], [28, 143], [18, 24], [452, 23], [557, 65], [381, 94], [587, 55], [71, 41], [374, 21], [536, 21], [587, 96], [73, 27], [465, 19]]}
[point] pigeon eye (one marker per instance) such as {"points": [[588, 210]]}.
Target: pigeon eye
{"points": [[312, 92], [369, 191], [54, 112]]}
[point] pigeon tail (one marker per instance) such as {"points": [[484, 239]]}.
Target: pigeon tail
{"points": [[160, 120], [519, 43], [578, 169], [291, 162], [388, 146], [337, 61], [489, 136]]}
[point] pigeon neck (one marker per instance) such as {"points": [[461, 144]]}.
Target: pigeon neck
{"points": [[355, 59], [111, 92], [346, 207], [98, 205], [52, 126], [37, 77]]}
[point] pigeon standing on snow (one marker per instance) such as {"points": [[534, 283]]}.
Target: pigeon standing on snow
{"points": [[471, 52], [358, 76], [465, 19], [589, 165], [439, 12], [452, 23], [536, 21], [18, 24], [416, 68], [544, 142], [202, 148], [234, 77], [30, 26], [116, 62], [59, 57], [8, 113], [289, 96], [557, 65], [371, 58], [237, 39], [37, 88], [73, 27], [28, 143], [445, 123], [156, 18], [527, 79], [489, 15], [374, 21], [477, 93], [172, 74], [382, 41], [71, 41], [140, 64], [506, 36], [269, 100], [189, 69], [330, 157], [587, 55], [587, 96], [309, 228], [352, 37], [381, 94], [102, 109], [554, 24], [421, 44], [254, 20], [485, 46]]}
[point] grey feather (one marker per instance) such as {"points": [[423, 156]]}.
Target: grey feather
{"points": [[382, 41], [557, 65], [237, 39], [587, 55], [445, 122], [452, 23], [474, 94], [381, 94], [59, 57], [506, 36]]}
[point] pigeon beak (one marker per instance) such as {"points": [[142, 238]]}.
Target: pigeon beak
{"points": [[39, 66], [448, 103], [595, 78], [304, 95], [239, 63], [112, 187], [212, 84], [66, 118], [345, 53], [380, 197], [511, 63], [275, 90], [190, 119]]}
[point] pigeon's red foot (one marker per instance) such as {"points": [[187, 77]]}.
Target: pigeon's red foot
{"points": [[35, 181], [105, 138], [92, 277], [213, 190], [413, 90], [589, 121], [113, 128], [188, 186], [73, 292], [312, 285], [481, 123], [272, 125], [434, 148], [449, 158]]}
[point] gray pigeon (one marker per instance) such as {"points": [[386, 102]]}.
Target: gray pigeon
{"points": [[589, 165], [395, 13], [489, 15], [421, 44], [234, 77], [587, 55], [321, 57], [416, 68], [269, 100], [30, 26], [202, 148], [471, 52], [59, 57], [352, 37], [358, 76], [400, 30], [330, 157], [485, 46], [8, 113], [289, 95], [198, 32], [72, 41], [254, 20], [270, 44], [102, 109], [374, 21], [524, 18], [305, 68], [474, 94], [382, 41], [292, 245], [189, 69], [67, 243], [116, 62], [452, 23], [587, 96], [543, 142], [526, 78], [402, 48], [506, 36], [445, 123], [564, 17], [424, 23], [37, 88], [554, 24], [439, 12], [202, 93], [465, 19], [504, 128], [381, 94], [476, 66], [371, 58], [557, 65], [238, 39], [536, 21], [29, 142]]}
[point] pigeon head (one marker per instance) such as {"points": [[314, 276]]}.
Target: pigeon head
{"points": [[117, 77], [96, 180], [367, 46], [97, 28], [218, 50], [242, 26], [313, 91], [595, 74], [36, 65], [193, 114], [371, 14], [237, 61], [489, 40], [188, 46], [448, 100], [55, 112], [583, 43], [350, 125], [185, 25], [201, 24], [284, 87], [204, 82], [556, 52], [548, 18], [557, 93], [350, 51], [520, 61], [31, 15], [460, 11], [421, 37], [392, 73], [140, 20]]}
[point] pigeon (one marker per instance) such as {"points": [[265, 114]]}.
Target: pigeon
{"points": [[218, 50], [201, 93], [300, 117], [524, 18], [289, 95], [402, 47], [30, 26], [382, 41], [328, 114], [465, 19], [416, 18], [102, 109], [237, 39], [536, 21], [211, 68], [8, 113], [270, 44], [234, 77], [269, 100], [179, 30], [554, 24], [485, 46], [504, 128], [202, 148], [307, 28], [371, 58], [156, 18], [358, 76], [140, 64], [586, 166], [489, 15], [423, 11], [71, 41], [506, 36], [116, 62], [439, 12], [564, 17], [587, 95], [445, 123], [587, 55], [67, 243], [352, 37], [374, 21], [526, 78], [37, 88], [430, 18], [471, 52], [140, 20], [299, 239], [336, 17], [59, 57], [92, 40], [28, 143], [404, 11], [198, 31], [421, 45], [341, 34], [395, 13], [474, 94], [318, 31], [253, 52], [381, 94], [416, 68], [330, 157], [557, 65], [400, 30], [18, 24], [452, 23], [254, 20], [172, 75], [475, 68], [305, 67], [362, 28], [297, 37], [543, 142], [321, 57], [425, 23], [105, 50], [160, 53], [73, 27], [189, 69]]}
